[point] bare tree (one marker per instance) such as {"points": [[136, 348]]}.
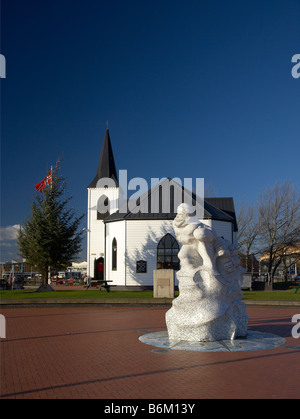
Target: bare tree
{"points": [[279, 215], [249, 228]]}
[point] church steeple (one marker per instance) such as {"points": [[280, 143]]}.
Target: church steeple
{"points": [[106, 166]]}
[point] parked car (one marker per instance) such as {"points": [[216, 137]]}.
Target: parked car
{"points": [[297, 278]]}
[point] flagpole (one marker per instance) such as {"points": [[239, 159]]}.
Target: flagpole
{"points": [[49, 268]]}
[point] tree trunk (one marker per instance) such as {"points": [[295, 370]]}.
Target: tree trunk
{"points": [[247, 260], [275, 268], [44, 287], [44, 273]]}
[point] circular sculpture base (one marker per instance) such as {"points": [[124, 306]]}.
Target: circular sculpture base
{"points": [[254, 341]]}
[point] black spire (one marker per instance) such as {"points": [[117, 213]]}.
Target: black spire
{"points": [[106, 165]]}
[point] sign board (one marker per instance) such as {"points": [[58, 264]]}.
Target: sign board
{"points": [[163, 283]]}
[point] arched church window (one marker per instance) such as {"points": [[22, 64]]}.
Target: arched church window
{"points": [[114, 255], [167, 253], [102, 207]]}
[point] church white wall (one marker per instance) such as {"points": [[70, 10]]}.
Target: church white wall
{"points": [[95, 228], [138, 240], [116, 230], [222, 228], [141, 244], [95, 232]]}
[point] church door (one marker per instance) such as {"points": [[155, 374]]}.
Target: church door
{"points": [[99, 269]]}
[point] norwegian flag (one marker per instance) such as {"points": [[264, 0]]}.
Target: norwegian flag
{"points": [[47, 181]]}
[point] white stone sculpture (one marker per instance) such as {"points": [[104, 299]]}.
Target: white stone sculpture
{"points": [[209, 306]]}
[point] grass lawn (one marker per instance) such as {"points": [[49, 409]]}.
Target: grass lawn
{"points": [[25, 294], [286, 295]]}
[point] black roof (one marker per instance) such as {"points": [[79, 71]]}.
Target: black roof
{"points": [[154, 196], [226, 205], [106, 166]]}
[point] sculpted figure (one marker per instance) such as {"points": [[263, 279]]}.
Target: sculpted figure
{"points": [[209, 306], [198, 239]]}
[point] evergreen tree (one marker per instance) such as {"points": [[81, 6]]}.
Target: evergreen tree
{"points": [[49, 237]]}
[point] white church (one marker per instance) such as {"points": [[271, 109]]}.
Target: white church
{"points": [[125, 247]]}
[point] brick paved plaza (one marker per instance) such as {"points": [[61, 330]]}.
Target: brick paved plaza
{"points": [[95, 353]]}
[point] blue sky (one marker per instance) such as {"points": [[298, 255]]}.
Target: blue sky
{"points": [[190, 88]]}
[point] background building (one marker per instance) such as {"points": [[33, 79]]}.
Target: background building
{"points": [[125, 247]]}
